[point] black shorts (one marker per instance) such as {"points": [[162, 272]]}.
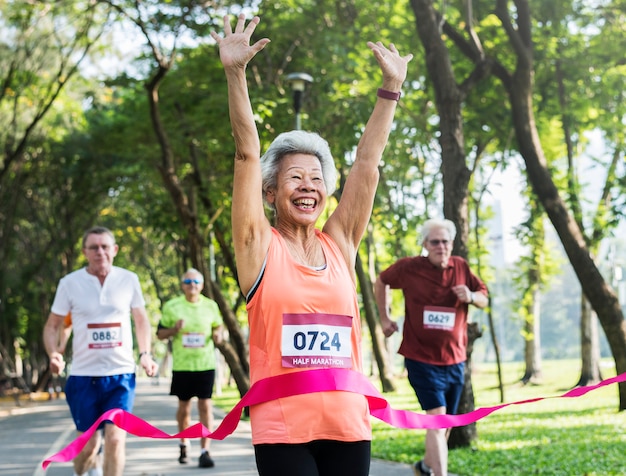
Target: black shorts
{"points": [[316, 458], [186, 385]]}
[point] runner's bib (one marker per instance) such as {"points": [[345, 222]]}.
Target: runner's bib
{"points": [[316, 340], [441, 318], [193, 340], [104, 336]]}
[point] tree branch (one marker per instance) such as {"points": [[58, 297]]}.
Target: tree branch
{"points": [[484, 65], [520, 39]]}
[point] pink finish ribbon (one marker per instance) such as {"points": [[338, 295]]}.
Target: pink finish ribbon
{"points": [[298, 383]]}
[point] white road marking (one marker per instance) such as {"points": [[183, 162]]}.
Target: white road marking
{"points": [[56, 446]]}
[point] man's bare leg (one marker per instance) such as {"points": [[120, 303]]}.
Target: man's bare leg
{"points": [[114, 450], [183, 417], [436, 456], [88, 456], [205, 413]]}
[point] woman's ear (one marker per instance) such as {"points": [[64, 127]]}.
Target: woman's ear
{"points": [[269, 195]]}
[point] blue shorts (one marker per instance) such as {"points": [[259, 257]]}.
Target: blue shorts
{"points": [[437, 385], [89, 397]]}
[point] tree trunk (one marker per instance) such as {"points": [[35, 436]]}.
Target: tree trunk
{"points": [[236, 357], [378, 339], [448, 99], [590, 372], [455, 173], [589, 342], [519, 89], [232, 360], [236, 336], [496, 347], [461, 436], [532, 341], [595, 288]]}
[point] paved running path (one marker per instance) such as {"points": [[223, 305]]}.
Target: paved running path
{"points": [[29, 434]]}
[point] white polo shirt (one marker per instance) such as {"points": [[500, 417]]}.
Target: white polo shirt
{"points": [[103, 339]]}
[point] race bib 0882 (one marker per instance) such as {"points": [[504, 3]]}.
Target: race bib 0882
{"points": [[104, 335]]}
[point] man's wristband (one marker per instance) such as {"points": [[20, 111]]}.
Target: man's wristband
{"points": [[141, 354], [386, 94], [471, 298]]}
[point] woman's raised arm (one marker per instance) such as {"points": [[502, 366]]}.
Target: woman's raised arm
{"points": [[251, 230], [348, 222]]}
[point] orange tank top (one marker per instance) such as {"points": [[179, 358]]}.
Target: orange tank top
{"points": [[302, 319]]}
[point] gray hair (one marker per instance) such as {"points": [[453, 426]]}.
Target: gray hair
{"points": [[192, 271], [97, 230], [437, 224], [297, 142]]}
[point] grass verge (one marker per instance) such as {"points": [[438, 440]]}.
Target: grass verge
{"points": [[556, 436]]}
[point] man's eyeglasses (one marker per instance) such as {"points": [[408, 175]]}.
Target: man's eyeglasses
{"points": [[194, 281], [97, 247], [438, 242]]}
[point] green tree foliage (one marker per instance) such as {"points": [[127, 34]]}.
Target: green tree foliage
{"points": [[97, 159], [41, 48]]}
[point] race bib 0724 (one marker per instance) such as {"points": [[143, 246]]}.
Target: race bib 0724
{"points": [[316, 340]]}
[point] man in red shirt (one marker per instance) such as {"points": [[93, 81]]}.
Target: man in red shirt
{"points": [[438, 289]]}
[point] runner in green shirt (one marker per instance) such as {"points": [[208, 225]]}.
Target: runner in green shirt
{"points": [[194, 324]]}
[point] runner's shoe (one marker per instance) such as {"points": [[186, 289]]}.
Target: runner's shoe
{"points": [[419, 469], [97, 471], [182, 459], [205, 461]]}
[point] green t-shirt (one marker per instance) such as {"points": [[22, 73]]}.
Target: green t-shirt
{"points": [[192, 347]]}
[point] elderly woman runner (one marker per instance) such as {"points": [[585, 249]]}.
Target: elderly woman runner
{"points": [[299, 281]]}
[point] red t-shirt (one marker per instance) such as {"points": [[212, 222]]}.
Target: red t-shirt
{"points": [[435, 323]]}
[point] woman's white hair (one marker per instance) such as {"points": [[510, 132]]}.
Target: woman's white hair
{"points": [[437, 224], [297, 142]]}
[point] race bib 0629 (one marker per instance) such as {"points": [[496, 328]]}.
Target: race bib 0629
{"points": [[439, 318]]}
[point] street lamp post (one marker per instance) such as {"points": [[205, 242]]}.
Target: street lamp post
{"points": [[298, 83]]}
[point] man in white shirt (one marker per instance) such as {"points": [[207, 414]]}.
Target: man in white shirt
{"points": [[101, 298]]}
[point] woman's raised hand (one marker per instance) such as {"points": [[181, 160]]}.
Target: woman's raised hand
{"points": [[392, 65], [235, 48]]}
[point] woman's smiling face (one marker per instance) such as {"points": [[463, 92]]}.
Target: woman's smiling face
{"points": [[300, 193]]}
